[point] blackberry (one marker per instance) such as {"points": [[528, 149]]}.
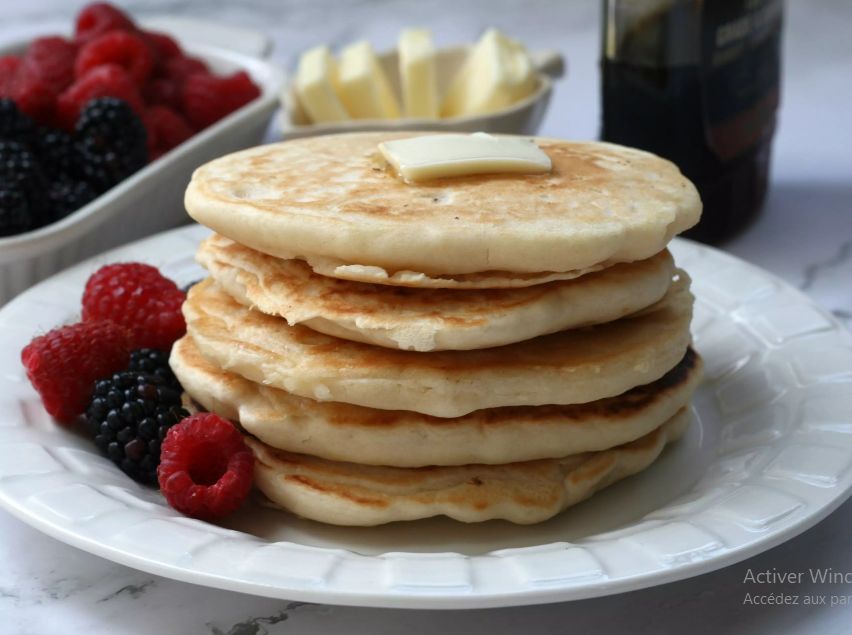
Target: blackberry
{"points": [[154, 362], [58, 155], [69, 196], [15, 125], [112, 142], [20, 170], [129, 416], [15, 215]]}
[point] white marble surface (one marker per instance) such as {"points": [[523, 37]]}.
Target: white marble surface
{"points": [[805, 236]]}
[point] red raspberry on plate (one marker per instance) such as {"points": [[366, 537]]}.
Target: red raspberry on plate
{"points": [[207, 99], [51, 59], [9, 67], [180, 69], [99, 18], [35, 98], [109, 80], [64, 364], [162, 92], [170, 128], [141, 299], [127, 50], [206, 469]]}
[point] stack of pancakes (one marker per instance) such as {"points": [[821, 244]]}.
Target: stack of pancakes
{"points": [[490, 346]]}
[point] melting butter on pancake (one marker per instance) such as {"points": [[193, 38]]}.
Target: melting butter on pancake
{"points": [[427, 320], [568, 367], [343, 432], [530, 492], [332, 197]]}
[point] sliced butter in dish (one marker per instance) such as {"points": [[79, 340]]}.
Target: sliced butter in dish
{"points": [[363, 85], [316, 86], [497, 73], [438, 156], [418, 74]]}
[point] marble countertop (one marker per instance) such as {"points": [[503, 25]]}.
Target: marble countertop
{"points": [[804, 236]]}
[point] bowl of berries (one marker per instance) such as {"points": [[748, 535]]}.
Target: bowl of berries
{"points": [[100, 133]]}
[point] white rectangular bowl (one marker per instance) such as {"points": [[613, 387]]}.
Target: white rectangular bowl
{"points": [[151, 200]]}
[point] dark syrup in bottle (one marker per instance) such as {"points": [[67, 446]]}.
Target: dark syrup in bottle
{"points": [[697, 83]]}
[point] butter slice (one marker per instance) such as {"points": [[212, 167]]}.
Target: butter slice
{"points": [[437, 156], [418, 74], [364, 87], [316, 87], [497, 73]]}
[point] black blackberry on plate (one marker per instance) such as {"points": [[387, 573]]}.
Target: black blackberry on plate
{"points": [[58, 155], [21, 171], [154, 362], [69, 196], [129, 416], [15, 217], [15, 125], [112, 142]]}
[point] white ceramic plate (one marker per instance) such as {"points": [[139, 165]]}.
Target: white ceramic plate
{"points": [[767, 456]]}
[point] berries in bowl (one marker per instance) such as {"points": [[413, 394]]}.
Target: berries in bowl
{"points": [[86, 113], [195, 103]]}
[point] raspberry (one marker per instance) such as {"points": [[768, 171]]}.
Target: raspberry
{"points": [[206, 469], [99, 18], [109, 80], [170, 128], [138, 297], [207, 99], [51, 59], [180, 69], [127, 50], [9, 67], [64, 364], [35, 98], [164, 46], [162, 92]]}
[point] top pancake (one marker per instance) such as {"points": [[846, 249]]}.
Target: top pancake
{"points": [[333, 197]]}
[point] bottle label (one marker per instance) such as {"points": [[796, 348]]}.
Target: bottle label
{"points": [[741, 68]]}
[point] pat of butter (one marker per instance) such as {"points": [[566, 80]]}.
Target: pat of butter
{"points": [[363, 85], [437, 156], [497, 73], [418, 74], [316, 88]]}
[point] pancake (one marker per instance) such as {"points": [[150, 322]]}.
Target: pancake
{"points": [[332, 196], [524, 493], [569, 367], [431, 319], [335, 268], [343, 432]]}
